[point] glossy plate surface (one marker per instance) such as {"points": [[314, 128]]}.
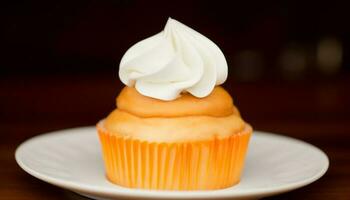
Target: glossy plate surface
{"points": [[72, 159]]}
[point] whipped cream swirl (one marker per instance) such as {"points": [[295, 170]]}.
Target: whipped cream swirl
{"points": [[176, 60]]}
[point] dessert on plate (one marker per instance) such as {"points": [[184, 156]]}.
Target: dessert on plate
{"points": [[174, 127]]}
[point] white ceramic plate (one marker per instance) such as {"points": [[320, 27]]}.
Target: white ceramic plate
{"points": [[72, 159]]}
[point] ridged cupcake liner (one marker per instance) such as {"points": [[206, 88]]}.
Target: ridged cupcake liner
{"points": [[192, 165]]}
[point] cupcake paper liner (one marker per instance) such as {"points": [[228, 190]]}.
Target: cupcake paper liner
{"points": [[192, 165]]}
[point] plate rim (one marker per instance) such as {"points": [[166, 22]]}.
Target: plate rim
{"points": [[156, 194]]}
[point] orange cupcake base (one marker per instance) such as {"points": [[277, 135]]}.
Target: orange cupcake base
{"points": [[197, 165]]}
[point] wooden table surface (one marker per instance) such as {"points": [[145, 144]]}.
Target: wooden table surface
{"points": [[315, 111]]}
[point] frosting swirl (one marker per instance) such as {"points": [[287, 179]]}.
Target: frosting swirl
{"points": [[176, 60]]}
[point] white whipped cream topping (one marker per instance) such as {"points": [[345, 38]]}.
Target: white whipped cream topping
{"points": [[176, 60]]}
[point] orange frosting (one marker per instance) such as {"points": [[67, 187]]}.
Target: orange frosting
{"points": [[187, 118], [218, 104]]}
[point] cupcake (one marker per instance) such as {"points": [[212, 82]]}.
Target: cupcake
{"points": [[174, 127]]}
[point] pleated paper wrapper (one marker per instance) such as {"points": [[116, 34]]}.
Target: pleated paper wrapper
{"points": [[197, 165]]}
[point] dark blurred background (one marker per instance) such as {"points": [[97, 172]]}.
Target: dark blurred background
{"points": [[262, 40], [288, 64]]}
